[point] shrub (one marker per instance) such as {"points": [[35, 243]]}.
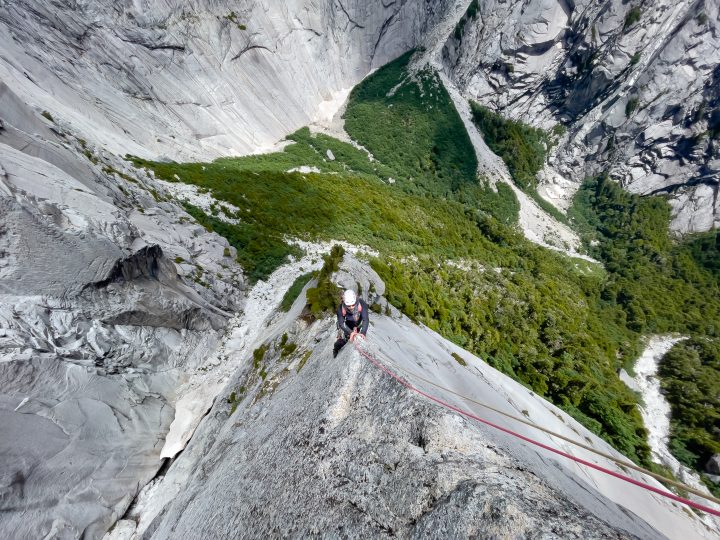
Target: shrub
{"points": [[690, 377], [470, 14], [259, 355], [459, 359], [522, 147], [325, 297], [294, 291], [632, 17], [260, 252], [631, 106], [288, 349]]}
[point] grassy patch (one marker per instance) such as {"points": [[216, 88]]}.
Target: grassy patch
{"points": [[235, 398], [294, 291], [305, 357], [286, 347]]}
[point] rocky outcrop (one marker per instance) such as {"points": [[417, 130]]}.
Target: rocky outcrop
{"points": [[199, 79], [98, 328], [713, 465], [367, 458], [634, 86]]}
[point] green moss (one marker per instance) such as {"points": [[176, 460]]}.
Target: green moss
{"points": [[48, 116], [635, 58]]}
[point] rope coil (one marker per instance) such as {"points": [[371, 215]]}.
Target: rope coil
{"points": [[609, 472]]}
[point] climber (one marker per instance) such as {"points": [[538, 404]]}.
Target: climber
{"points": [[352, 320]]}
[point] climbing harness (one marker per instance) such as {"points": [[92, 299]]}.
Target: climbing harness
{"points": [[620, 476]]}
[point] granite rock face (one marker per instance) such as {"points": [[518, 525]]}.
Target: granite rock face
{"points": [[97, 326], [113, 300], [368, 458], [199, 79], [635, 84]]}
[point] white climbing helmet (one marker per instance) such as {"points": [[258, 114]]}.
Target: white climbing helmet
{"points": [[349, 298]]}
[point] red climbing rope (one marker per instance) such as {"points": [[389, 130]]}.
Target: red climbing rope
{"points": [[447, 405]]}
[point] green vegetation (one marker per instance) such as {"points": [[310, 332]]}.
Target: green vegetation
{"points": [[635, 58], [294, 291], [459, 359], [325, 297], [286, 347], [305, 357], [563, 327], [632, 17], [258, 251], [232, 17], [523, 148], [631, 106], [47, 115], [539, 320], [259, 355], [235, 398], [690, 376], [654, 284], [409, 123], [468, 16]]}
